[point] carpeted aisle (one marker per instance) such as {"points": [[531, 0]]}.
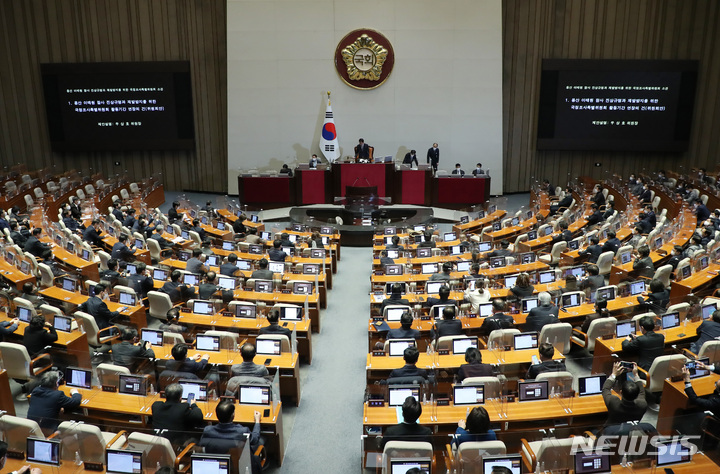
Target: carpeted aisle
{"points": [[328, 422]]}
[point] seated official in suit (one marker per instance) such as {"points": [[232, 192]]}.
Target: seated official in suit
{"points": [[285, 240], [707, 331], [176, 290], [46, 401], [229, 268], [181, 363], [498, 319], [262, 273], [658, 297], [395, 245], [427, 240], [34, 246], [175, 419], [643, 264], [503, 251], [405, 331], [29, 292], [564, 236], [173, 214], [276, 253], [444, 298], [546, 351], [273, 318], [208, 288], [410, 356], [97, 308], [196, 263], [458, 170], [448, 325], [593, 250], [443, 275], [410, 158], [409, 429], [92, 234], [162, 241], [111, 275], [478, 171], [141, 281], [362, 150], [563, 203], [712, 402], [648, 346], [38, 335], [314, 162], [246, 371], [172, 324], [594, 280], [384, 259], [595, 217], [8, 327], [523, 288], [226, 434], [127, 354], [632, 405], [544, 313], [475, 428], [121, 251], [612, 244], [395, 297], [474, 366]]}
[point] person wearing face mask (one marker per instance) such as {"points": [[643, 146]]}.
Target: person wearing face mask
{"points": [[97, 308], [478, 171], [645, 195]]}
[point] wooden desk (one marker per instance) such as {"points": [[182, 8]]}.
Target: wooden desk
{"points": [[136, 314], [250, 327], [132, 412], [89, 270], [674, 400], [287, 363], [697, 281], [276, 297], [478, 224], [13, 275]]}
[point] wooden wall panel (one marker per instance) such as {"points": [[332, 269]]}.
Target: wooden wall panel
{"points": [[39, 31], [603, 29]]}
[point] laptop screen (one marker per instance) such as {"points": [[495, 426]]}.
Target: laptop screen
{"points": [[429, 268], [44, 451], [463, 344], [497, 262], [127, 299], [77, 377], [203, 307], [390, 230], [256, 249], [424, 252], [291, 313], [528, 304], [302, 287], [708, 310], [546, 277], [24, 314], [510, 281], [525, 340], [394, 269], [464, 219], [159, 274], [468, 394], [62, 323], [510, 462], [227, 283], [152, 336], [672, 452], [184, 256], [133, 384], [396, 347], [245, 310], [531, 391], [265, 235], [433, 287], [571, 299], [243, 264], [311, 268], [69, 284], [625, 328], [398, 393], [317, 253], [463, 266], [579, 272], [276, 267], [485, 310], [228, 246], [592, 463], [607, 292], [267, 346], [86, 254], [197, 387], [404, 465], [532, 235], [449, 236], [591, 385], [120, 461], [527, 257], [263, 286], [394, 314], [212, 261], [131, 269], [254, 395], [625, 257], [207, 343], [637, 287], [191, 279], [484, 247], [670, 320]]}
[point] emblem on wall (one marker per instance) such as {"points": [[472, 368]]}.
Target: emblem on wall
{"points": [[364, 59]]}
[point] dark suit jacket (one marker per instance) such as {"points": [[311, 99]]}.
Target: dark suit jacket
{"points": [[708, 330], [45, 405], [644, 196], [475, 370], [121, 251], [433, 156], [406, 432], [38, 249], [409, 159], [35, 340], [128, 355], [164, 244], [222, 437], [277, 255], [262, 274], [390, 301], [275, 329], [173, 215], [92, 236], [176, 418], [400, 333], [141, 284], [620, 411], [206, 290], [711, 403], [362, 151], [99, 310], [593, 252], [522, 292], [496, 321], [611, 245], [644, 267], [448, 327], [540, 316], [545, 366], [228, 269], [647, 347], [75, 211], [409, 370], [594, 218]]}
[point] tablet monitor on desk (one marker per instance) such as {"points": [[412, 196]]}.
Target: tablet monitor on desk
{"points": [[695, 371], [160, 274], [291, 313], [185, 234], [390, 230], [227, 283], [85, 254], [228, 246], [704, 262], [464, 219], [131, 269], [708, 310], [532, 235], [532, 391], [276, 267], [484, 246], [624, 329], [525, 340], [243, 264], [265, 235], [515, 221], [268, 346], [424, 252], [394, 314], [528, 304], [510, 280], [263, 286], [392, 253], [463, 266], [245, 310], [496, 226], [184, 255], [449, 236], [433, 287], [607, 292], [460, 345], [45, 451], [311, 269], [122, 461], [153, 336], [212, 261], [196, 387], [220, 225], [485, 310], [327, 230], [139, 244], [497, 262], [437, 310], [256, 249], [393, 269], [578, 272], [302, 287], [573, 244], [317, 253], [133, 384], [78, 378], [207, 343], [429, 268], [191, 279], [637, 287], [70, 247], [511, 462], [68, 284], [468, 394], [203, 307], [570, 300], [396, 347], [404, 465], [591, 385], [592, 463], [625, 257], [455, 250], [670, 320], [62, 323], [528, 257], [24, 314], [672, 452], [398, 393], [546, 277], [250, 394], [126, 299]]}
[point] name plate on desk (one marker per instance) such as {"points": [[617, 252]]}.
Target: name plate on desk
{"points": [[379, 273], [185, 310], [15, 454], [376, 403], [228, 314], [425, 318], [567, 394], [93, 466], [443, 352], [286, 291], [471, 315], [605, 337], [378, 353], [109, 388], [677, 378], [443, 402]]}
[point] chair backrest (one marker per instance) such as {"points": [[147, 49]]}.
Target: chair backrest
{"points": [[29, 201], [663, 274], [555, 453], [82, 438], [46, 275], [16, 430], [154, 249], [604, 262], [492, 385], [405, 449], [557, 249], [156, 449], [172, 338], [228, 340], [23, 303], [558, 334], [598, 328], [711, 350], [108, 373], [80, 194], [16, 360], [124, 194], [470, 455], [284, 340], [160, 304], [104, 257], [557, 381], [88, 323], [393, 307], [662, 368], [504, 337]]}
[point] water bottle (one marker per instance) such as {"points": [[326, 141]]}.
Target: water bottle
{"points": [[78, 461], [624, 461], [152, 390]]}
